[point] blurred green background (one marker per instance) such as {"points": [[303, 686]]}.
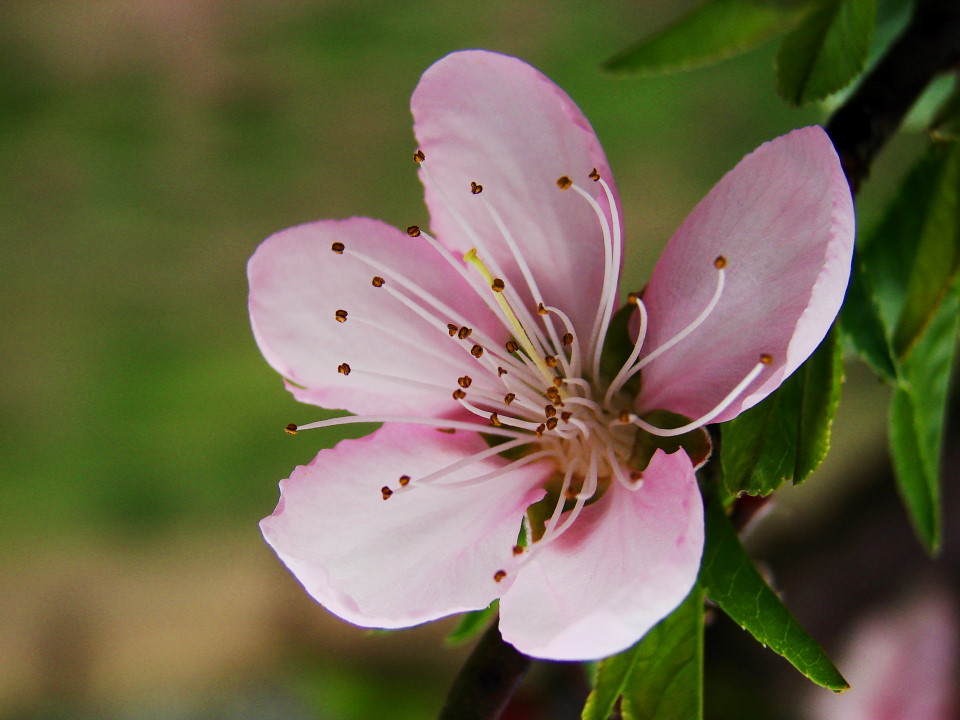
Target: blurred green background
{"points": [[147, 147]]}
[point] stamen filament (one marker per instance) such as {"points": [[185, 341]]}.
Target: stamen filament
{"points": [[441, 423]]}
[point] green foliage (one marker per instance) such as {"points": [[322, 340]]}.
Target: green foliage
{"points": [[472, 624], [659, 678], [861, 323], [730, 580], [826, 51], [787, 435], [712, 31]]}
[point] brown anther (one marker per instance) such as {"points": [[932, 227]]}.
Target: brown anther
{"points": [[377, 281], [419, 157], [512, 346], [497, 285], [452, 329], [633, 298], [465, 381], [475, 188], [549, 411], [290, 429], [550, 361], [624, 416], [464, 332], [594, 175], [343, 369], [517, 550], [567, 340], [542, 309], [564, 183], [766, 359], [636, 475], [509, 398], [552, 423], [495, 420], [340, 315], [501, 372], [413, 231], [540, 428], [476, 351], [447, 431], [566, 415], [499, 575], [459, 394], [720, 262], [386, 492], [557, 382], [338, 248], [571, 494], [404, 480]]}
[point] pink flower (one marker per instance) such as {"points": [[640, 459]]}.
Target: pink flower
{"points": [[494, 324]]}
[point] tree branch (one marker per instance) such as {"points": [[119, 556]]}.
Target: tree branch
{"points": [[487, 680], [929, 45]]}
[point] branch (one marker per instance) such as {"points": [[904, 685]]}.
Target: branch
{"points": [[929, 45], [487, 680]]}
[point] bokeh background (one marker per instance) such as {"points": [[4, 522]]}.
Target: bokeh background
{"points": [[146, 148]]}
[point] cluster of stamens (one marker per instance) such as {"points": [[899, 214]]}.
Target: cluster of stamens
{"points": [[540, 391]]}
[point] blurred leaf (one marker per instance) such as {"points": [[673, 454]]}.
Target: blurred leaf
{"points": [[826, 51], [917, 417], [695, 443], [787, 435], [730, 580], [945, 123], [659, 678], [472, 624], [861, 324], [710, 32]]}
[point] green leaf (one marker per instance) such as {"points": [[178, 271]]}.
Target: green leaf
{"points": [[826, 51], [917, 418], [787, 435], [472, 624], [659, 678], [712, 31], [730, 580], [861, 324]]}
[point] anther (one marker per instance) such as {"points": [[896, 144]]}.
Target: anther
{"points": [[720, 263], [499, 575], [552, 423], [377, 281], [419, 157], [624, 416], [512, 346], [495, 420], [517, 550], [404, 480], [452, 329], [550, 361], [464, 332], [338, 248], [459, 394], [291, 429], [447, 431], [594, 175], [497, 285], [465, 381], [549, 411], [557, 382], [476, 351], [542, 310], [340, 315], [636, 475], [475, 188], [386, 492], [501, 372], [566, 415], [509, 398], [540, 428], [413, 231], [633, 298], [564, 183], [343, 369], [766, 359], [567, 340]]}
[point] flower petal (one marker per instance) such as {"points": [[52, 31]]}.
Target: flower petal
{"points": [[399, 364], [492, 119], [783, 219], [425, 552], [626, 563]]}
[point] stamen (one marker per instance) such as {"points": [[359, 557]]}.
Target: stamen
{"points": [[439, 423], [625, 370], [343, 369], [419, 157], [499, 575], [341, 316], [290, 429], [386, 492], [475, 188], [338, 248], [404, 480], [464, 332], [413, 231], [377, 281], [610, 296]]}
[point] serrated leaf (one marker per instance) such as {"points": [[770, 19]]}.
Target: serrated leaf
{"points": [[472, 624], [659, 678], [861, 324], [732, 582], [712, 31], [826, 51], [917, 417], [787, 435]]}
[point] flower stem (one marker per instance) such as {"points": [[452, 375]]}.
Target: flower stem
{"points": [[487, 680]]}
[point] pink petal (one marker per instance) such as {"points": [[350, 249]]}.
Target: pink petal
{"points": [[297, 284], [783, 219], [495, 120], [421, 554], [625, 564]]}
